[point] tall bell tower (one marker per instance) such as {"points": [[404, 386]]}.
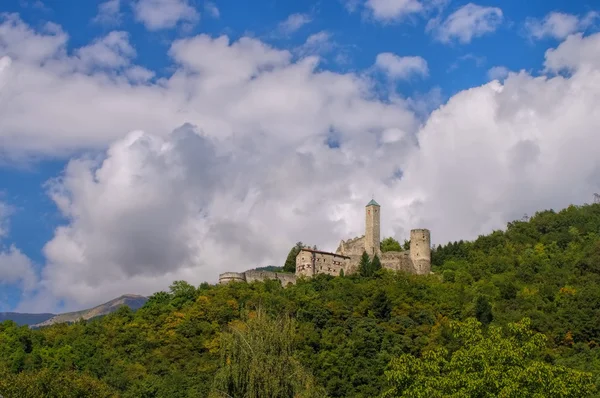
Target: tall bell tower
{"points": [[372, 228]]}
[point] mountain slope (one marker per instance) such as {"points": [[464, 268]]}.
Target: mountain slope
{"points": [[132, 301], [24, 319]]}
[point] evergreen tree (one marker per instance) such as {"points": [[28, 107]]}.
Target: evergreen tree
{"points": [[290, 261], [382, 306], [375, 265], [364, 267], [406, 245]]}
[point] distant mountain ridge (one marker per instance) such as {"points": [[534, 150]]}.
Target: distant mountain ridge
{"points": [[24, 319], [39, 320]]}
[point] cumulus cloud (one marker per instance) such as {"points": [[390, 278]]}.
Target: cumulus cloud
{"points": [[294, 22], [111, 51], [225, 163], [401, 67], [109, 13], [498, 72], [18, 39], [466, 23], [559, 25], [17, 269], [164, 14], [575, 53]]}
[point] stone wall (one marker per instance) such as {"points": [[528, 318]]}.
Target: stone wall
{"points": [[231, 277], [420, 250], [260, 276], [352, 247], [397, 261], [304, 263]]}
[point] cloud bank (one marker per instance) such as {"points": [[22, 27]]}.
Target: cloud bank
{"points": [[246, 149]]}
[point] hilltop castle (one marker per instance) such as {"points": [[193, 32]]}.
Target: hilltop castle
{"points": [[346, 258]]}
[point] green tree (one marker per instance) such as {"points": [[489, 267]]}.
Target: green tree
{"points": [[375, 265], [494, 365], [390, 245], [483, 310], [290, 261], [257, 361], [364, 266], [406, 244]]}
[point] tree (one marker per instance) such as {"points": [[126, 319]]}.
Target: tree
{"points": [[483, 310], [406, 244], [492, 365], [382, 306], [364, 266], [390, 245], [257, 361], [375, 265], [290, 261]]}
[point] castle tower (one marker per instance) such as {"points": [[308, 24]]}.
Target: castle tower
{"points": [[372, 228], [420, 250]]}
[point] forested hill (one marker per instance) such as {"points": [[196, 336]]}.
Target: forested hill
{"points": [[513, 313]]}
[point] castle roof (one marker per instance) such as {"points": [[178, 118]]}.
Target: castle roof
{"points": [[372, 203]]}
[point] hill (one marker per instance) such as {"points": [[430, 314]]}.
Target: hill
{"points": [[38, 320], [132, 301], [23, 318], [522, 303]]}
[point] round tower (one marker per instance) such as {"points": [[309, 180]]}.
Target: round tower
{"points": [[372, 228], [420, 250]]}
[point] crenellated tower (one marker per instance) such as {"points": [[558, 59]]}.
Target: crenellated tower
{"points": [[420, 250], [372, 228]]}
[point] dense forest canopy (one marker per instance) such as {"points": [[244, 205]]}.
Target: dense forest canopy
{"points": [[512, 313]]}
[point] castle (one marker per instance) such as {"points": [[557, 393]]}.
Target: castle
{"points": [[346, 258]]}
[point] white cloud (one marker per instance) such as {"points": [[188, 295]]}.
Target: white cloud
{"points": [[294, 22], [401, 67], [17, 269], [164, 14], [5, 212], [109, 13], [573, 54], [211, 9], [112, 51], [466, 23], [17, 39], [387, 10], [255, 175], [498, 72], [559, 25], [317, 43]]}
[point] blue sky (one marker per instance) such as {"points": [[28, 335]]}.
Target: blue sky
{"points": [[138, 149]]}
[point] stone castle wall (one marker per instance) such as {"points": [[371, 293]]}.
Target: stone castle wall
{"points": [[232, 277], [397, 261], [420, 250], [261, 276], [352, 247], [312, 262]]}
